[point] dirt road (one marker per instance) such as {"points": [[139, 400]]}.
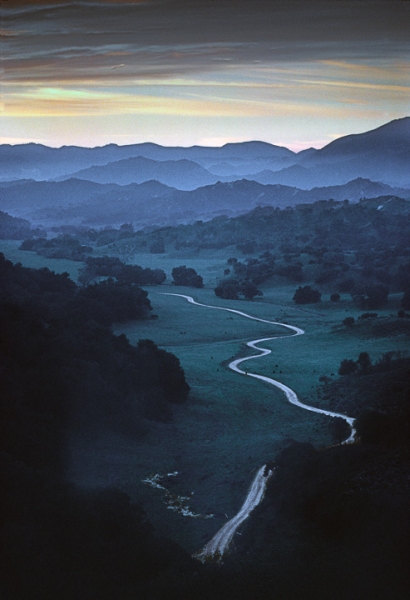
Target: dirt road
{"points": [[219, 544]]}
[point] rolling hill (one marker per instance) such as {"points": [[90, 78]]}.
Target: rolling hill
{"points": [[382, 155], [152, 203]]}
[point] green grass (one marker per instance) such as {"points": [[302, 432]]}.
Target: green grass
{"points": [[231, 424], [10, 249]]}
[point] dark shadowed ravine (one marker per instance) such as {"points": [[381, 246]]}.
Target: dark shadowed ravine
{"points": [[219, 544]]}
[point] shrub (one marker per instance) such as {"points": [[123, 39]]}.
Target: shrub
{"points": [[372, 296], [187, 276], [348, 321], [228, 289], [363, 362], [249, 290], [347, 366], [368, 316], [405, 301], [306, 295]]}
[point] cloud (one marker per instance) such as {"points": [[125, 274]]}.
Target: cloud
{"points": [[222, 59], [173, 37]]}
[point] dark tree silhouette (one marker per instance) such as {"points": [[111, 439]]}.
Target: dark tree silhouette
{"points": [[306, 295], [371, 296], [187, 276], [348, 321], [347, 366], [228, 289], [363, 362]]}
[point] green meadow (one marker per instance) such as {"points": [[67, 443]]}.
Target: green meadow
{"points": [[231, 424], [10, 249]]}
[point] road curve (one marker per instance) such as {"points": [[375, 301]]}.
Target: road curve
{"points": [[218, 545]]}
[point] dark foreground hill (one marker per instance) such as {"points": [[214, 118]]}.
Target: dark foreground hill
{"points": [[334, 522]]}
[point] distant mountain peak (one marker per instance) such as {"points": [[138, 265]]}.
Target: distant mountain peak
{"points": [[393, 131], [382, 154]]}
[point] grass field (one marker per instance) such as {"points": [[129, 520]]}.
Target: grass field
{"points": [[10, 249], [231, 424]]}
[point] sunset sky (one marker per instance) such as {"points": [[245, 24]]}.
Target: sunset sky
{"points": [[295, 73]]}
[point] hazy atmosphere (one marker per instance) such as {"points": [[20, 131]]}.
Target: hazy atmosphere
{"points": [[205, 300], [175, 72]]}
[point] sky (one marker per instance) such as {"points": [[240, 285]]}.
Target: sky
{"points": [[295, 73]]}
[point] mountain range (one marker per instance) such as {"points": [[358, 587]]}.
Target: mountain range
{"points": [[151, 203], [148, 184]]}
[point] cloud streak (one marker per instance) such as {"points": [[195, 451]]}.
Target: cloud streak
{"points": [[228, 58], [191, 36]]}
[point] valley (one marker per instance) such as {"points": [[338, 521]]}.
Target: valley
{"points": [[231, 425], [156, 412]]}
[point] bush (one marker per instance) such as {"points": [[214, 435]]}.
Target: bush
{"points": [[405, 301], [249, 290], [187, 276], [231, 289], [363, 362], [228, 289], [372, 296], [346, 285], [348, 322], [347, 367], [306, 295]]}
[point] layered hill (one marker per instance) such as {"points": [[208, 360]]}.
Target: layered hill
{"points": [[382, 155], [35, 161], [183, 174], [151, 203]]}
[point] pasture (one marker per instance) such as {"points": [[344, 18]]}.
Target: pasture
{"points": [[231, 424]]}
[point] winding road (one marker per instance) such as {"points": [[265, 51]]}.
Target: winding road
{"points": [[218, 545]]}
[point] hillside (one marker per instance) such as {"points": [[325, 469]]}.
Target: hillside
{"points": [[182, 174], [381, 155], [151, 203]]}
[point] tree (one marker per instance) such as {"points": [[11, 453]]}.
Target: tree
{"points": [[228, 289], [348, 321], [87, 275], [363, 362], [347, 366], [187, 276], [249, 290], [112, 266], [292, 272], [405, 301], [306, 295], [372, 296], [111, 301]]}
